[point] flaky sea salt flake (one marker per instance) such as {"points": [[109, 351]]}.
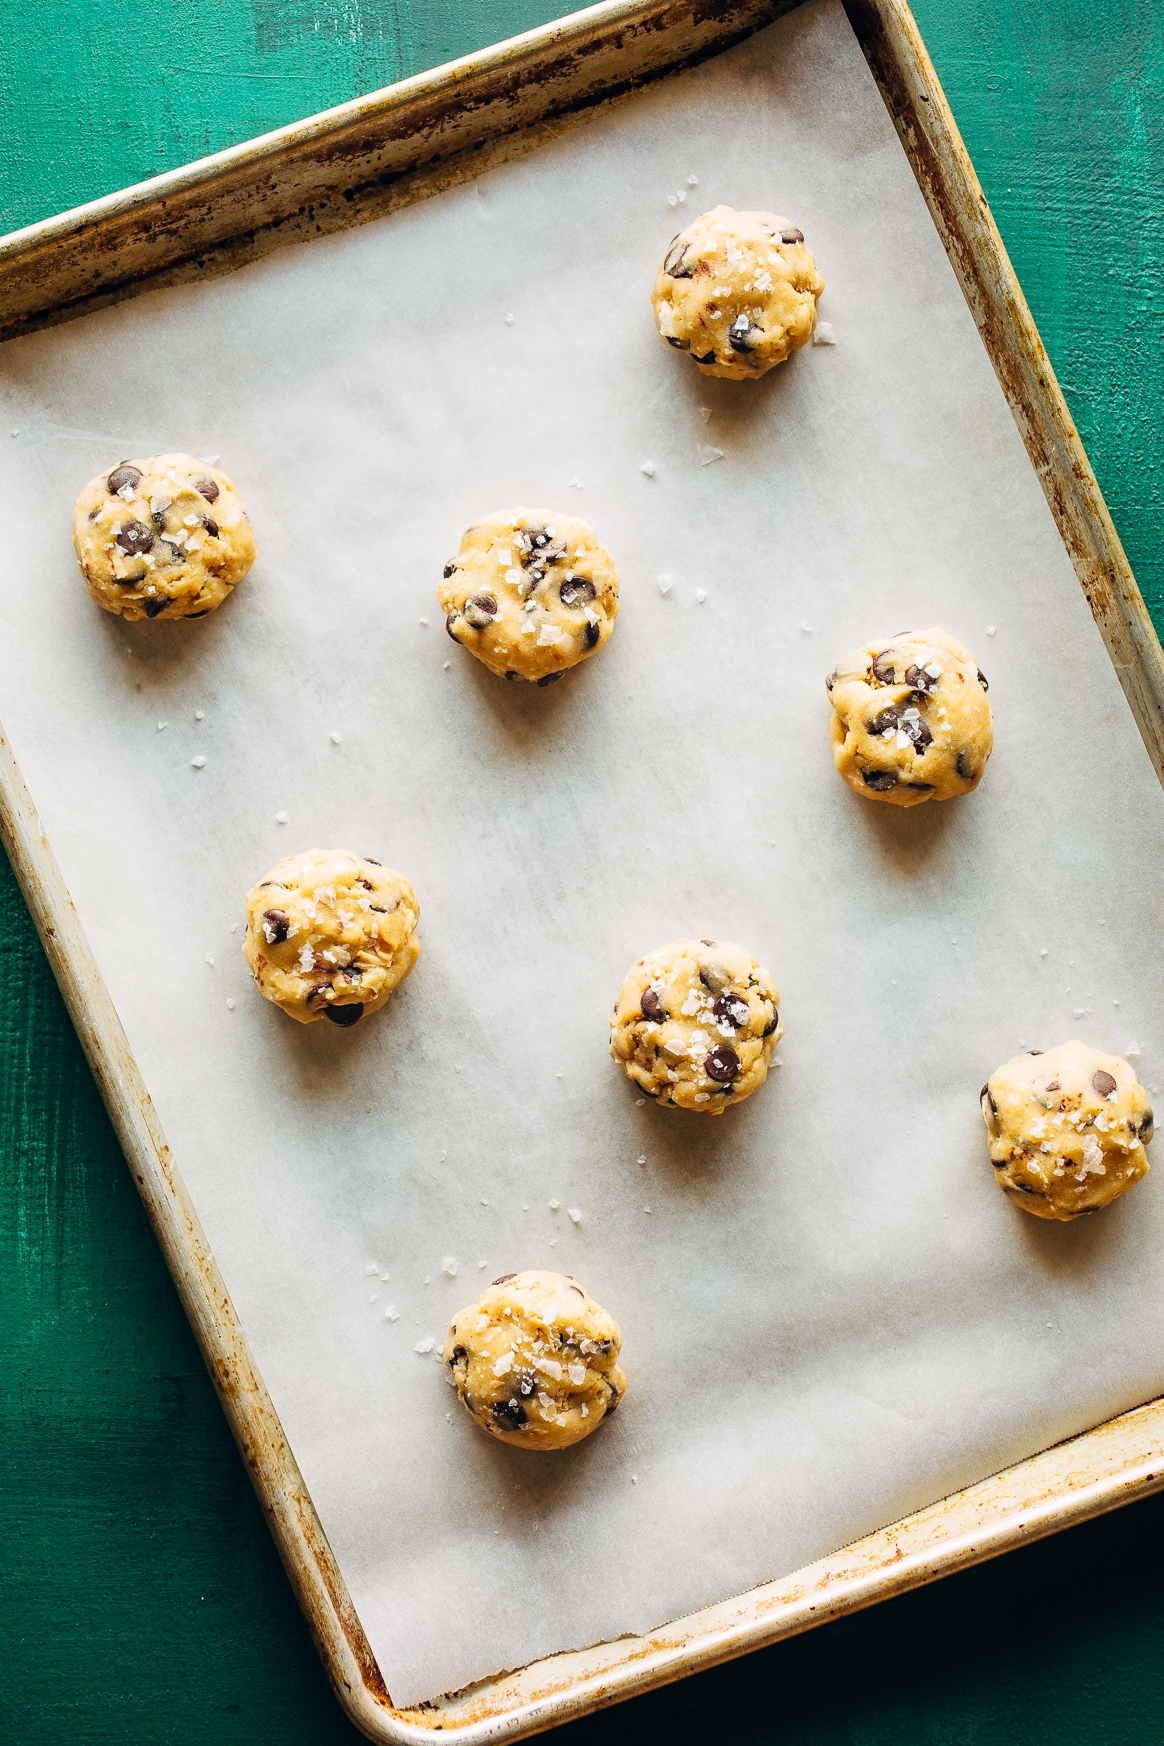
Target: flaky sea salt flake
{"points": [[648, 467], [574, 1214], [199, 762], [707, 454], [424, 1347], [823, 334]]}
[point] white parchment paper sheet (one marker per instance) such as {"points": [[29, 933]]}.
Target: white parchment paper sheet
{"points": [[831, 1316]]}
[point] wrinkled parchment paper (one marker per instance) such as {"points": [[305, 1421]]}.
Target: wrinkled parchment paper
{"points": [[831, 1316]]}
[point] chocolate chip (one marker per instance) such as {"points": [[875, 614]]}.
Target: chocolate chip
{"points": [[879, 780], [367, 884], [1035, 1051], [708, 358], [791, 235], [591, 634], [121, 477], [612, 1403], [549, 678], [831, 680], [881, 723], [769, 1028], [504, 1277], [509, 1413], [207, 488], [987, 1094], [650, 1007], [1146, 1124], [372, 861], [919, 680], [673, 265], [202, 614], [345, 1015], [459, 1352], [883, 668], [134, 538], [574, 589], [481, 610], [450, 621], [210, 526], [707, 942], [1103, 1083], [982, 680], [712, 977], [509, 673], [964, 768], [279, 926], [731, 1009], [158, 515], [722, 1064], [1023, 1189], [921, 787], [743, 334], [450, 569], [1054, 1085], [911, 723], [158, 604], [680, 345]]}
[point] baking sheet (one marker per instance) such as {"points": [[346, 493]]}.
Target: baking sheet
{"points": [[831, 1317]]}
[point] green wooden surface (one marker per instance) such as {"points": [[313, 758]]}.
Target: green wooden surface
{"points": [[141, 1599]]}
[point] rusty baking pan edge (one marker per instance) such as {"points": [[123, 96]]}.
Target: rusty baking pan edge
{"points": [[347, 166], [354, 163]]}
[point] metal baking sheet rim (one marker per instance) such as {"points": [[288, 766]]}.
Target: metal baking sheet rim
{"points": [[485, 107]]}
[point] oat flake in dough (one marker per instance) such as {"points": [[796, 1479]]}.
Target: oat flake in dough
{"points": [[330, 935], [738, 291], [162, 538], [1067, 1129], [535, 1361], [530, 593], [695, 1025], [910, 718]]}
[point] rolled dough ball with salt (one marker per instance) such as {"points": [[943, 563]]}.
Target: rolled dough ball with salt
{"points": [[330, 935], [737, 291], [696, 1024], [910, 718], [530, 593], [535, 1360], [1067, 1129], [162, 538]]}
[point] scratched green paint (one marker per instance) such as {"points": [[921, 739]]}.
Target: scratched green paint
{"points": [[141, 1600]]}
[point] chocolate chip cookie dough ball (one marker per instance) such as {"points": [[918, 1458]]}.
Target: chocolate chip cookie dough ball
{"points": [[163, 538], [1067, 1129], [330, 935], [531, 593], [910, 719], [695, 1025], [738, 291], [535, 1361]]}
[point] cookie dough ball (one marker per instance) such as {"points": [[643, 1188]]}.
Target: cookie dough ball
{"points": [[531, 593], [910, 719], [1067, 1129], [163, 538], [330, 935], [695, 1025], [535, 1361], [738, 291]]}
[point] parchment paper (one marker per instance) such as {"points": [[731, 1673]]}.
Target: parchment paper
{"points": [[831, 1316]]}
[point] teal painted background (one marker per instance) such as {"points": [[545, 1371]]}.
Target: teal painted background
{"points": [[141, 1600]]}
